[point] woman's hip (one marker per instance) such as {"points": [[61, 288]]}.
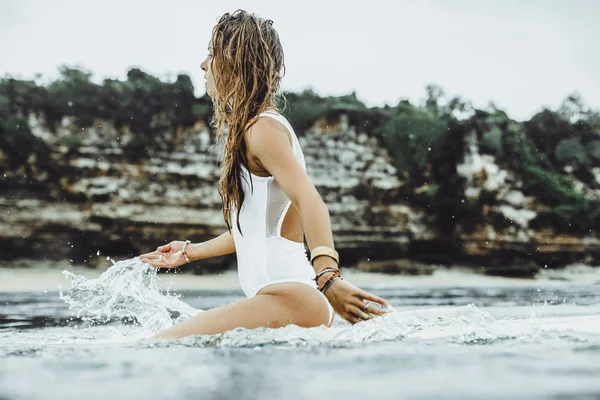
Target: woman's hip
{"points": [[302, 295]]}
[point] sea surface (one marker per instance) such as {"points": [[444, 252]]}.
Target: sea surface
{"points": [[464, 339]]}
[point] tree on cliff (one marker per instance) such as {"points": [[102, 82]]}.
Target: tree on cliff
{"points": [[17, 141], [426, 141]]}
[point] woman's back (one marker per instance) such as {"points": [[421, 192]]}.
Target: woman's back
{"points": [[264, 255]]}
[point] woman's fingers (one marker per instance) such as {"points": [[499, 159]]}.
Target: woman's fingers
{"points": [[372, 297], [370, 307], [365, 310], [357, 314], [375, 309], [147, 254], [351, 318], [160, 264], [149, 261], [165, 248], [156, 260]]}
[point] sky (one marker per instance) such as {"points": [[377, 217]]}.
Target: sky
{"points": [[522, 55]]}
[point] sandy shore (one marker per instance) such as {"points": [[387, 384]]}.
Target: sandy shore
{"points": [[22, 276], [32, 275], [40, 279]]}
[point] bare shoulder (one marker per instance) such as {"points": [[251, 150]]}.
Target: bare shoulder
{"points": [[265, 133]]}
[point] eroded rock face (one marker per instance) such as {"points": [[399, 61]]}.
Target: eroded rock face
{"points": [[516, 250], [98, 201], [102, 202]]}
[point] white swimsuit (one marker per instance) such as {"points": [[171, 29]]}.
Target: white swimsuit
{"points": [[265, 257]]}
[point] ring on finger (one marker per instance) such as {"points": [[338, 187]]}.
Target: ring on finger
{"points": [[367, 303], [364, 316]]}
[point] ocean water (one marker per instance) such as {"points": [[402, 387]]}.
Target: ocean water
{"points": [[493, 339]]}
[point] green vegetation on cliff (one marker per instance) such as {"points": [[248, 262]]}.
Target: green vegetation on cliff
{"points": [[426, 141]]}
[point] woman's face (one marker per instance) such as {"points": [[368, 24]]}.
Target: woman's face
{"points": [[207, 67]]}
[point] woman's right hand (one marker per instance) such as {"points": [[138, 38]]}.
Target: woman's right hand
{"points": [[167, 256], [354, 304]]}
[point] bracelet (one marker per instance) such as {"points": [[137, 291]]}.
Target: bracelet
{"points": [[329, 283], [324, 271], [187, 259], [324, 251], [328, 280]]}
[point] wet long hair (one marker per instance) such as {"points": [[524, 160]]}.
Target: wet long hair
{"points": [[248, 66]]}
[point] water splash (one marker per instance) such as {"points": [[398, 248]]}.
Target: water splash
{"points": [[126, 291], [460, 325], [392, 326]]}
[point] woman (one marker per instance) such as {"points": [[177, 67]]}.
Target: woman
{"points": [[269, 202]]}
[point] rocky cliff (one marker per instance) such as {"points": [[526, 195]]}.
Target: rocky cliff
{"points": [[94, 201]]}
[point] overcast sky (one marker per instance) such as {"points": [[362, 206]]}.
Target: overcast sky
{"points": [[520, 54]]}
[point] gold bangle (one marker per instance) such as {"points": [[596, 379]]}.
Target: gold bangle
{"points": [[324, 251]]}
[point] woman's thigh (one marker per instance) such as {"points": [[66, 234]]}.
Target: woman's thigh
{"points": [[275, 306]]}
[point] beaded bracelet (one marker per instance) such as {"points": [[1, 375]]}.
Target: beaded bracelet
{"points": [[324, 271], [329, 283], [187, 259], [333, 276]]}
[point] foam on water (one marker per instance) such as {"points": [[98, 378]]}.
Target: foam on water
{"points": [[127, 292], [465, 324], [577, 272]]}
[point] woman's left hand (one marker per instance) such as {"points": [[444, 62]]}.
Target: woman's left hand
{"points": [[168, 256], [354, 304]]}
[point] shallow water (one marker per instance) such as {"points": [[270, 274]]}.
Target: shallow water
{"points": [[494, 340]]}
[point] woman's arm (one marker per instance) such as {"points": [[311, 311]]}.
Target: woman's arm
{"points": [[268, 141], [219, 246], [171, 256]]}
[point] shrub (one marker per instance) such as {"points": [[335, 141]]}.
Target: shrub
{"points": [[593, 151], [19, 143], [571, 151], [492, 142], [410, 138], [304, 109]]}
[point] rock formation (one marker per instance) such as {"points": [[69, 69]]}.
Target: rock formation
{"points": [[96, 201]]}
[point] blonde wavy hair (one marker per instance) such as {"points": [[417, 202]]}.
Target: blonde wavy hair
{"points": [[248, 66]]}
